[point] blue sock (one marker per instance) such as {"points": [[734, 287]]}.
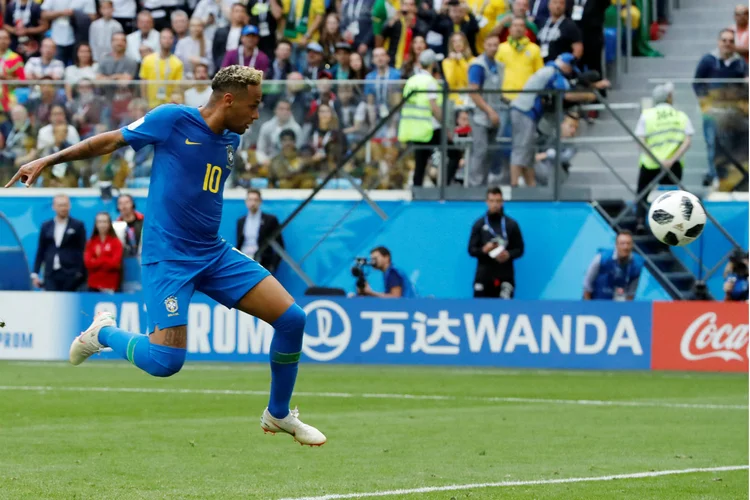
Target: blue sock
{"points": [[286, 348], [154, 359]]}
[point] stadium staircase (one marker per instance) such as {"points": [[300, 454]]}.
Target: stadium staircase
{"points": [[693, 33]]}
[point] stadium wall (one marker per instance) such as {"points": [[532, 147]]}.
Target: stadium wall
{"points": [[428, 240], [691, 336]]}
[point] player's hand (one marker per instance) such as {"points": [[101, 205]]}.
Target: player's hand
{"points": [[503, 256], [28, 173], [489, 246]]}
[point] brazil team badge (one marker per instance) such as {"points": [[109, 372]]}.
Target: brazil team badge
{"points": [[230, 156]]}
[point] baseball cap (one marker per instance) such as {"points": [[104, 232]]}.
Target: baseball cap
{"points": [[315, 47], [250, 30], [662, 92], [343, 46], [569, 59], [429, 57]]}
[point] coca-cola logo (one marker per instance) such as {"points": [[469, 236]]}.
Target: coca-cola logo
{"points": [[725, 341]]}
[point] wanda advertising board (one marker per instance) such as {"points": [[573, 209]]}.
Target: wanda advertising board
{"points": [[700, 336]]}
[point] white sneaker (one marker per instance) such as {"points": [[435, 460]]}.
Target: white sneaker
{"points": [[291, 424], [87, 343]]}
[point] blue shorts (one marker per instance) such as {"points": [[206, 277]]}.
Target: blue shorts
{"points": [[169, 285]]}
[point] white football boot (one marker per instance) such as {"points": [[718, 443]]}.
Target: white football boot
{"points": [[87, 343], [291, 424]]}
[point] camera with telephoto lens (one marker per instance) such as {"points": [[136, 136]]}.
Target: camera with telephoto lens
{"points": [[739, 263], [359, 272]]}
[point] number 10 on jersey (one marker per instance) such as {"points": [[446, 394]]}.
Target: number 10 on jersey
{"points": [[212, 179]]}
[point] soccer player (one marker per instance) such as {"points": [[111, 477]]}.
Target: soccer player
{"points": [[194, 152]]}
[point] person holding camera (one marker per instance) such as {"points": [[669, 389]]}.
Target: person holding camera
{"points": [[496, 242], [395, 282], [736, 277]]}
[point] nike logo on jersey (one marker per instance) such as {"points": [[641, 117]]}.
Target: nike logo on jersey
{"points": [[191, 143]]}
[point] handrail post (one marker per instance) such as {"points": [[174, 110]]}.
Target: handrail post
{"points": [[559, 96], [444, 143], [628, 34]]}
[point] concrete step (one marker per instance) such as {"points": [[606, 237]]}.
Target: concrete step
{"points": [[694, 45], [710, 30]]}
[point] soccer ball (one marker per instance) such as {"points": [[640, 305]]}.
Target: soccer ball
{"points": [[677, 218]]}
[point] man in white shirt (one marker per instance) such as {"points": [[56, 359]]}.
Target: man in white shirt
{"points": [[145, 35], [46, 136], [101, 31], [60, 14], [254, 229], [46, 65], [198, 95], [269, 144]]}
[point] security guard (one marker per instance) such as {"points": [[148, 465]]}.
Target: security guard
{"points": [[614, 274], [667, 132], [421, 116]]}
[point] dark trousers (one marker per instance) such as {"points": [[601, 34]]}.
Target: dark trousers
{"points": [[593, 42], [128, 24], [494, 289], [63, 281], [423, 154], [645, 176], [65, 53]]}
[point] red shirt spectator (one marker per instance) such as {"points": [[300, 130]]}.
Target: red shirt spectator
{"points": [[103, 256], [11, 68]]}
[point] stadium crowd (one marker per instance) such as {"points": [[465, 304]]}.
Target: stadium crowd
{"points": [[336, 68]]}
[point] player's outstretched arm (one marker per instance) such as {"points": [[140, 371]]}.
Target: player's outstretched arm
{"points": [[98, 145]]}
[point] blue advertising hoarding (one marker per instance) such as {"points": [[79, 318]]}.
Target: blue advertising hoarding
{"points": [[549, 334]]}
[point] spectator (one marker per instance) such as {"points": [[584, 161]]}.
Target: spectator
{"points": [[89, 111], [589, 18], [117, 65], [354, 119], [134, 220], [277, 71], [736, 277], [160, 11], [195, 49], [179, 21], [357, 69], [62, 175], [614, 274], [539, 13], [101, 31], [11, 68], [382, 12], [164, 66], [356, 21], [62, 15], [559, 34], [740, 30], [45, 65], [84, 67], [144, 35], [418, 45], [721, 64], [45, 138], [667, 132], [521, 58], [326, 134], [484, 75], [23, 18], [40, 107], [396, 284], [315, 66], [456, 66], [401, 28], [544, 168], [421, 118], [302, 23], [527, 110], [123, 11], [248, 53], [379, 87], [458, 19], [254, 229], [290, 169], [60, 249], [297, 95], [520, 9], [496, 242], [341, 69], [265, 14], [19, 145], [269, 138], [213, 14], [330, 37], [486, 13], [199, 94], [227, 38], [103, 256], [324, 91]]}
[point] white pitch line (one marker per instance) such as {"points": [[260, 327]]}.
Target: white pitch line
{"points": [[506, 484], [421, 397]]}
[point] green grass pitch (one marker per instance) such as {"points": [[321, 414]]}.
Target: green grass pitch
{"points": [[105, 430]]}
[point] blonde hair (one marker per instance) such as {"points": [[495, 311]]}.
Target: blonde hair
{"points": [[467, 50], [237, 78]]}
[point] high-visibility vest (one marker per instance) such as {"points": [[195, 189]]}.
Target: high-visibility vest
{"points": [[415, 124], [665, 131]]}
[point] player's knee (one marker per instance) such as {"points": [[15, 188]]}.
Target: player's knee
{"points": [[292, 322], [167, 360]]}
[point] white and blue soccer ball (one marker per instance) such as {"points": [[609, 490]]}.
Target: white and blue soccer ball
{"points": [[677, 218]]}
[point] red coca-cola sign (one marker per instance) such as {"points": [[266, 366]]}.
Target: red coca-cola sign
{"points": [[700, 336]]}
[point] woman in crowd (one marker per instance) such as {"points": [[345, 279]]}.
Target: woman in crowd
{"points": [[330, 35], [418, 45], [89, 111], [327, 137], [456, 66], [57, 117], [195, 49], [83, 67], [103, 256]]}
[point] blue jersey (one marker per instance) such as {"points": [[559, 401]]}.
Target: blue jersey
{"points": [[191, 164]]}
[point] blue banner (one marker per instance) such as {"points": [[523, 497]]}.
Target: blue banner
{"points": [[549, 334]]}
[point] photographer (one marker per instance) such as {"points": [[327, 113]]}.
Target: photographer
{"points": [[496, 242], [736, 277], [395, 282], [614, 273]]}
